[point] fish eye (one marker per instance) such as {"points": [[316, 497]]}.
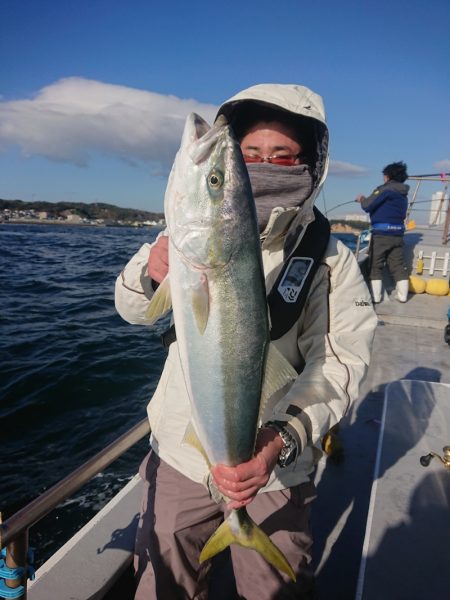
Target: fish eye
{"points": [[215, 180]]}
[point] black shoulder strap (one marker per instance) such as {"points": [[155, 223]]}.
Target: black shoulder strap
{"points": [[288, 295]]}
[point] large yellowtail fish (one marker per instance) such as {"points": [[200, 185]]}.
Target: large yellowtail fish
{"points": [[216, 288]]}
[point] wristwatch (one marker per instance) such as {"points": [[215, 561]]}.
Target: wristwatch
{"points": [[289, 452]]}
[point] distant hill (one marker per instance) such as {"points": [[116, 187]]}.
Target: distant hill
{"points": [[95, 210], [344, 225]]}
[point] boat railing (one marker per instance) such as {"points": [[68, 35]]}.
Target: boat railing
{"points": [[441, 211], [362, 242], [14, 531]]}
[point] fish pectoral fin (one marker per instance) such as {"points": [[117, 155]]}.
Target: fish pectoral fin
{"points": [[160, 303], [190, 437], [200, 302], [239, 529], [277, 373]]}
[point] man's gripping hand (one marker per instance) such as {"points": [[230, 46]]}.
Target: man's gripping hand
{"points": [[241, 483], [158, 260]]}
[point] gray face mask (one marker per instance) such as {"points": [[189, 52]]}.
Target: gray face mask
{"points": [[275, 185]]}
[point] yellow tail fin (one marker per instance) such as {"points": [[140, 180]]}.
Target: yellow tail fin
{"points": [[239, 528]]}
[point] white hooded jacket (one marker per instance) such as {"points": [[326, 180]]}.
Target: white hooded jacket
{"points": [[329, 345]]}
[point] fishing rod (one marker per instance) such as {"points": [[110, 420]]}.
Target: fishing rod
{"points": [[339, 205]]}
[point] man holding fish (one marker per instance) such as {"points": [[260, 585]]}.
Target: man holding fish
{"points": [[273, 330]]}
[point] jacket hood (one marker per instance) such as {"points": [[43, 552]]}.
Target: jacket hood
{"points": [[297, 100], [401, 188]]}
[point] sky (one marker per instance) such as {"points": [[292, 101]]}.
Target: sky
{"points": [[94, 93]]}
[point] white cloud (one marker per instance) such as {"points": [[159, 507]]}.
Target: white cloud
{"points": [[344, 169], [442, 165], [75, 118]]}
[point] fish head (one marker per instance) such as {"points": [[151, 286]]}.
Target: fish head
{"points": [[209, 206]]}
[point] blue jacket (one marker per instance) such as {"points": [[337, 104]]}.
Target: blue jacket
{"points": [[387, 206]]}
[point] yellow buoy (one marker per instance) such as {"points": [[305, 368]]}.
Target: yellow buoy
{"points": [[417, 285], [437, 287]]}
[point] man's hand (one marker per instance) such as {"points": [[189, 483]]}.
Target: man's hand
{"points": [[242, 483], [158, 261], [359, 198]]}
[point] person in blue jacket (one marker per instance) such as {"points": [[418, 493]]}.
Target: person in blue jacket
{"points": [[387, 206]]}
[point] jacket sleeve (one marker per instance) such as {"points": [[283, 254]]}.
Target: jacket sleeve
{"points": [[134, 287], [335, 343], [372, 202]]}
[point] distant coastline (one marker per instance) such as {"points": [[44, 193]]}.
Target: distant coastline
{"points": [[75, 224], [76, 213]]}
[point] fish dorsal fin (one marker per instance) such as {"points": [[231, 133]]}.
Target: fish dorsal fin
{"points": [[200, 302], [191, 438], [278, 372], [160, 303]]}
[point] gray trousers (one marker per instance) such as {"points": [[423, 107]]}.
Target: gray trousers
{"points": [[387, 250], [177, 518]]}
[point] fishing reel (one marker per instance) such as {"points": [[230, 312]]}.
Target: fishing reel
{"points": [[445, 460]]}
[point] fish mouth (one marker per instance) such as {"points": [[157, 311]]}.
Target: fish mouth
{"points": [[206, 138]]}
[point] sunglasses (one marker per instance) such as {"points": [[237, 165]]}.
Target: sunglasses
{"points": [[287, 160]]}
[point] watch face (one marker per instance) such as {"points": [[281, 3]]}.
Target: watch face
{"points": [[287, 455], [289, 450]]}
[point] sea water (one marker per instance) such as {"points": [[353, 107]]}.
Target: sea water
{"points": [[73, 374]]}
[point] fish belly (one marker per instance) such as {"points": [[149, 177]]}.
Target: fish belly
{"points": [[223, 365]]}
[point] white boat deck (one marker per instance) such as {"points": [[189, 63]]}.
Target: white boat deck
{"points": [[406, 545], [95, 558], [409, 344]]}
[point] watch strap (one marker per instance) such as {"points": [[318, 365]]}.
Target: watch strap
{"points": [[290, 449]]}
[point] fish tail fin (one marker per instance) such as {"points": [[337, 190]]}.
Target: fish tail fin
{"points": [[239, 529]]}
